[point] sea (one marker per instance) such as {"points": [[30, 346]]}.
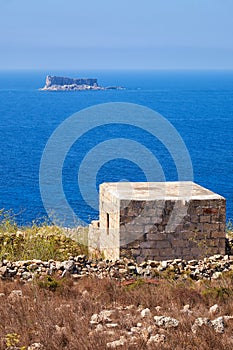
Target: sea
{"points": [[197, 104]]}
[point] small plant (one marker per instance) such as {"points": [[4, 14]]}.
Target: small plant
{"points": [[228, 274], [50, 283], [139, 282], [169, 274], [218, 293], [229, 229], [7, 221], [155, 274], [12, 340], [229, 237]]}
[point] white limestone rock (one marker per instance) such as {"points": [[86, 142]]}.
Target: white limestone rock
{"points": [[36, 346], [217, 324], [213, 310], [116, 343], [199, 322], [157, 338], [145, 313], [166, 322]]}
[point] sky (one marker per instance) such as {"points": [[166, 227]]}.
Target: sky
{"points": [[116, 34]]}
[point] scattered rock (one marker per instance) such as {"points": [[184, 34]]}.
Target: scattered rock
{"points": [[135, 330], [130, 307], [216, 275], [145, 312], [94, 319], [99, 327], [151, 329], [85, 294], [103, 316], [116, 343], [158, 308], [217, 324], [166, 322], [228, 318], [199, 322], [60, 330], [111, 325], [36, 346], [186, 310], [157, 338], [214, 309], [3, 270], [15, 295]]}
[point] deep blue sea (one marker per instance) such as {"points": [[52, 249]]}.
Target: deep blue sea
{"points": [[199, 104]]}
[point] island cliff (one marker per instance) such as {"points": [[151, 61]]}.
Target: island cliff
{"points": [[54, 83]]}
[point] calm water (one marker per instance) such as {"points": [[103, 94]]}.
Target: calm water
{"points": [[198, 104]]}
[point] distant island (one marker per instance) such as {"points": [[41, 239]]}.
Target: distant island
{"points": [[54, 83]]}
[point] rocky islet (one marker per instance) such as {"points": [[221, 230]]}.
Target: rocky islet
{"points": [[55, 83]]}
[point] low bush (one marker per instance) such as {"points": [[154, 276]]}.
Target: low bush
{"points": [[39, 241]]}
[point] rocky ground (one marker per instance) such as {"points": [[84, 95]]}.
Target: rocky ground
{"points": [[86, 304], [78, 303], [152, 326], [101, 313]]}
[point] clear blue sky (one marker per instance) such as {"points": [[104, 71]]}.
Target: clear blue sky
{"points": [[116, 34]]}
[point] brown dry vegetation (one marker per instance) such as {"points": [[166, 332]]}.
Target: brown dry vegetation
{"points": [[57, 313]]}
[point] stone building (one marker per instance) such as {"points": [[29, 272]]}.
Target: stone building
{"points": [[158, 221]]}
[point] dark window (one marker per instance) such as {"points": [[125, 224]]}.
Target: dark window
{"points": [[107, 224]]}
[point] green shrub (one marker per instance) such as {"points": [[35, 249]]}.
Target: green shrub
{"points": [[218, 293], [42, 242], [50, 283], [139, 282], [229, 229]]}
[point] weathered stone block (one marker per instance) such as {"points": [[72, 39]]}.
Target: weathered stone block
{"points": [[205, 218], [216, 234], [151, 237], [146, 245], [150, 253], [163, 219], [194, 218], [179, 243], [163, 244], [167, 253]]}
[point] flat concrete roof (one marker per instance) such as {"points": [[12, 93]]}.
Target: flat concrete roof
{"points": [[177, 190]]}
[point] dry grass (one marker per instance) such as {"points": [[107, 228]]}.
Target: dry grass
{"points": [[38, 241], [58, 316]]}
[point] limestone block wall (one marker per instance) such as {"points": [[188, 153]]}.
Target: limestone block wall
{"points": [[158, 221], [200, 233], [94, 239], [109, 224]]}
